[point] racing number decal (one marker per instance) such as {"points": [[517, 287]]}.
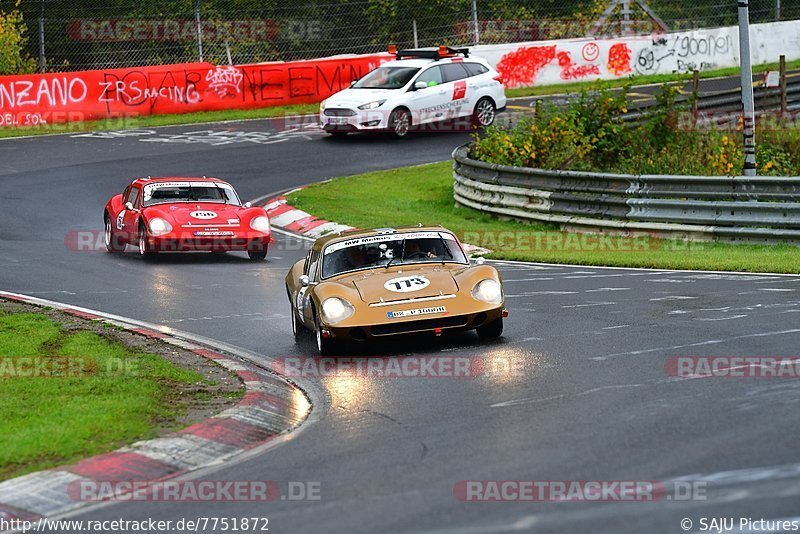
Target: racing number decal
{"points": [[406, 284], [460, 90], [120, 219]]}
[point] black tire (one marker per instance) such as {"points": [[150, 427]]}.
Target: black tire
{"points": [[325, 347], [145, 251], [257, 253], [400, 122], [484, 114], [298, 330], [491, 330], [112, 241]]}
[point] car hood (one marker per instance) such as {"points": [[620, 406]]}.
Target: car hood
{"points": [[402, 284], [197, 213], [357, 97]]}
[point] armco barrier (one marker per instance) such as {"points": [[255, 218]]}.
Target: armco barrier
{"points": [[725, 208], [35, 99]]}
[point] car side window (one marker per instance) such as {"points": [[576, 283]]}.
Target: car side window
{"points": [[313, 264], [475, 69], [454, 72], [133, 196], [432, 77]]}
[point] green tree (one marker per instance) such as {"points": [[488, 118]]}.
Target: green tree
{"points": [[13, 58]]}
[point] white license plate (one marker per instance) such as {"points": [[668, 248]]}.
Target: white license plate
{"points": [[418, 311], [213, 234], [337, 121]]}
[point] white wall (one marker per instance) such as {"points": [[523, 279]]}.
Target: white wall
{"points": [[568, 60]]}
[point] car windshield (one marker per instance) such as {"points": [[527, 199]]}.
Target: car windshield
{"points": [[163, 192], [387, 250], [386, 78]]}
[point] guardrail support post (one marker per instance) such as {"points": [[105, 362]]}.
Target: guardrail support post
{"points": [[748, 104], [475, 22]]}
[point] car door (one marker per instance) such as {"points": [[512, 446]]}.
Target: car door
{"points": [[128, 220], [304, 294], [426, 104], [458, 93]]}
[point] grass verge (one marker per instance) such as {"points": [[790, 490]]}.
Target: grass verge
{"points": [[424, 194], [149, 121], [70, 393]]}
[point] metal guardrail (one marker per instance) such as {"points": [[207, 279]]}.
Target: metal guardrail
{"points": [[707, 208]]}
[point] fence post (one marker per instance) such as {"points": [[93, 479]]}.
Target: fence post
{"points": [[784, 98], [695, 94], [777, 10], [414, 29], [199, 30], [748, 105], [475, 22], [42, 59]]}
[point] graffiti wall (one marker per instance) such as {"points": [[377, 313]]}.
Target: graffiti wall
{"points": [[77, 96], [553, 62]]}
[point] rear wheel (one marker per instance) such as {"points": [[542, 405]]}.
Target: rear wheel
{"points": [[113, 243], [145, 250], [400, 122], [484, 114], [491, 330]]}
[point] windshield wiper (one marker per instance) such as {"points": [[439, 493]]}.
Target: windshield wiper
{"points": [[221, 193], [402, 251], [446, 249]]}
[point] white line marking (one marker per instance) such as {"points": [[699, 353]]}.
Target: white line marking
{"points": [[590, 304], [673, 297], [602, 289], [701, 343], [615, 327], [720, 318], [533, 400]]}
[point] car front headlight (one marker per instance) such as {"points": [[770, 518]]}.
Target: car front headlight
{"points": [[260, 224], [336, 310], [489, 291], [159, 226], [322, 105], [371, 105]]}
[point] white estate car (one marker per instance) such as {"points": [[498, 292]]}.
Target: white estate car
{"points": [[421, 86]]}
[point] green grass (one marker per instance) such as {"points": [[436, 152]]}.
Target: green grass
{"points": [[647, 79], [150, 121], [424, 194], [105, 395]]}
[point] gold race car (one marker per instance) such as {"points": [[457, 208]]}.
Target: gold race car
{"points": [[365, 284]]}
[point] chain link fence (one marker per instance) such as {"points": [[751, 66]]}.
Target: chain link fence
{"points": [[67, 35]]}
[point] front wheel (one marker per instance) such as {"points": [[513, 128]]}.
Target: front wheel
{"points": [[257, 253], [145, 250], [491, 330], [297, 328], [113, 243], [325, 345], [400, 122], [484, 114]]}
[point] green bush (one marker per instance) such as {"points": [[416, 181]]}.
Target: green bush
{"points": [[13, 59], [589, 135]]}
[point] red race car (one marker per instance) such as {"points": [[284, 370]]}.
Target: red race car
{"points": [[185, 214]]}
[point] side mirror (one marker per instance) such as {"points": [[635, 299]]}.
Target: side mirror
{"points": [[305, 281], [353, 82], [129, 206], [248, 204], [480, 260], [420, 85]]}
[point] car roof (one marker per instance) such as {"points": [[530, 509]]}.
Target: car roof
{"points": [[322, 242], [419, 63], [161, 179]]}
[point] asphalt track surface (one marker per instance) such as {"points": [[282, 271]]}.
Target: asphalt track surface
{"points": [[590, 401]]}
